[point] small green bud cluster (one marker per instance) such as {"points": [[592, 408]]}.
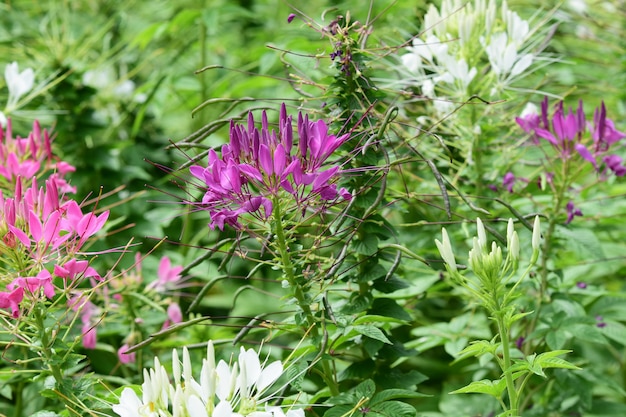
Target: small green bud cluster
{"points": [[493, 271]]}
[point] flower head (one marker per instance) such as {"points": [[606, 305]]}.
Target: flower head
{"points": [[19, 83], [571, 134], [221, 390], [259, 166]]}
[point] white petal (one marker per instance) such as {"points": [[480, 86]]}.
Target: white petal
{"points": [[195, 407], [129, 404], [269, 375], [522, 64]]}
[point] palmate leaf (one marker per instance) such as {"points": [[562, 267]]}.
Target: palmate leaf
{"points": [[477, 349], [537, 363], [484, 386]]}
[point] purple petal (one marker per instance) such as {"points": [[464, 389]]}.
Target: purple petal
{"points": [[584, 152], [265, 159]]}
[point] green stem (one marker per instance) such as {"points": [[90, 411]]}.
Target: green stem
{"points": [[67, 397], [288, 268], [45, 347], [298, 293], [17, 395], [506, 358]]}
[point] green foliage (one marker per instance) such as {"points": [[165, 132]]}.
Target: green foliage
{"points": [[354, 296]]}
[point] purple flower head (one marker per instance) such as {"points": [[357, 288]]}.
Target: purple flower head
{"points": [[520, 342], [260, 165], [572, 211], [614, 163], [570, 134], [508, 181], [291, 17]]}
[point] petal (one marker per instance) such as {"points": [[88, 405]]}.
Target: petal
{"points": [[269, 375]]}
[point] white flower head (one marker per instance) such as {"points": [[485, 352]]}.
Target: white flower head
{"points": [[19, 83], [236, 390]]}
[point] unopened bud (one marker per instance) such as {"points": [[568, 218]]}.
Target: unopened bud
{"points": [[514, 246], [510, 229], [482, 235], [445, 249], [536, 240]]}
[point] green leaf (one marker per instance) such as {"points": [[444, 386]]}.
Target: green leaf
{"points": [[390, 308], [477, 348], [390, 285], [377, 319], [485, 386], [582, 241], [341, 411], [615, 331], [365, 389], [395, 409], [373, 332], [394, 393], [518, 316], [367, 244]]}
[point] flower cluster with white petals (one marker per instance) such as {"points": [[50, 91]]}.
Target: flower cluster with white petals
{"points": [[462, 39], [223, 390]]}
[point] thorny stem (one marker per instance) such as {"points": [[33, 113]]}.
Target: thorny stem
{"points": [[298, 293], [49, 361]]}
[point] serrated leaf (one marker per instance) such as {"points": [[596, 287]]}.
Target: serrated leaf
{"points": [[477, 349], [518, 316], [340, 411], [373, 332], [395, 409], [485, 386], [365, 389], [395, 393], [583, 241]]}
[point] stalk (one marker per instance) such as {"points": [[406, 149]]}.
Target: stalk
{"points": [[290, 275], [506, 358]]}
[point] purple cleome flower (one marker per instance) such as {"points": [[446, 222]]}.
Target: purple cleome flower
{"points": [[259, 165], [567, 134], [572, 211]]}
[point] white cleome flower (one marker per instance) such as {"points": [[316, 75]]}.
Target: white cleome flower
{"points": [[19, 83], [223, 390]]}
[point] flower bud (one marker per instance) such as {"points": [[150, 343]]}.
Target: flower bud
{"points": [[445, 249], [510, 229], [514, 248], [482, 235], [536, 240]]}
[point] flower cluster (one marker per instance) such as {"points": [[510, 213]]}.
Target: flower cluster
{"points": [[463, 39], [222, 390], [570, 134], [258, 166], [29, 157], [39, 229]]}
